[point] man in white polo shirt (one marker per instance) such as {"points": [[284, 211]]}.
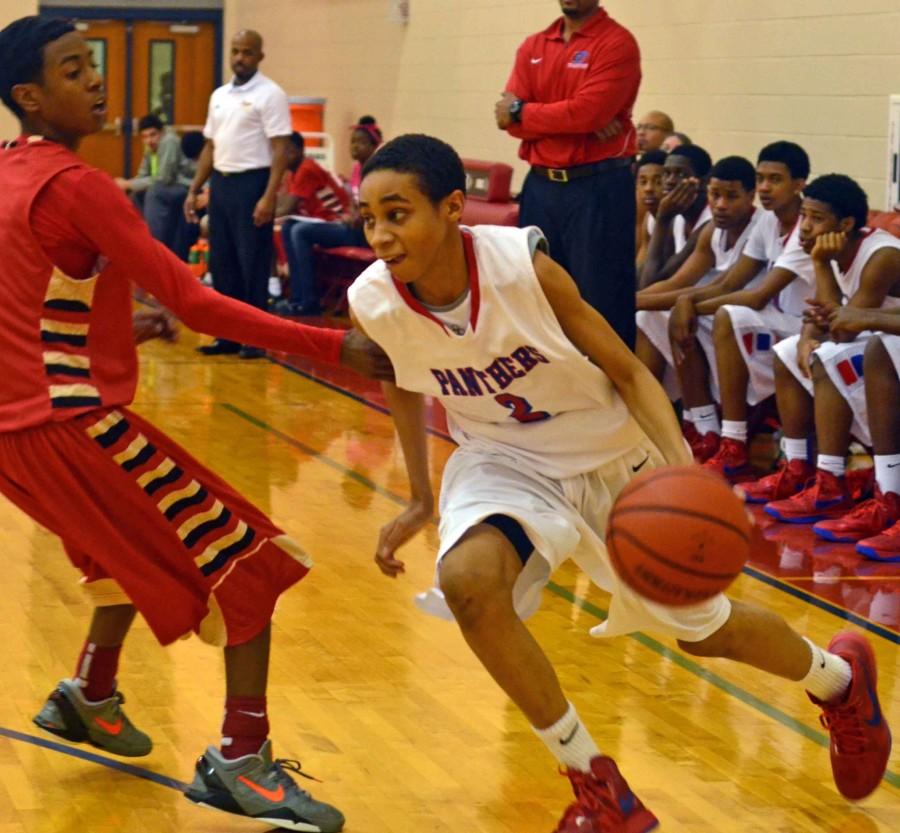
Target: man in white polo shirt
{"points": [[247, 132]]}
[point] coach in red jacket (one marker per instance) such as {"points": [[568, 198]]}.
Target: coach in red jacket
{"points": [[569, 99]]}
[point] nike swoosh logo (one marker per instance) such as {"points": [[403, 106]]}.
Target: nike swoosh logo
{"points": [[640, 465], [251, 714], [270, 795], [893, 465], [566, 741], [536, 60], [110, 728]]}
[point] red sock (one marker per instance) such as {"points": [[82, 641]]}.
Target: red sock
{"points": [[96, 671], [246, 726]]}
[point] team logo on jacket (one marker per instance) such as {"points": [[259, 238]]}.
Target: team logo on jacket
{"points": [[579, 60]]}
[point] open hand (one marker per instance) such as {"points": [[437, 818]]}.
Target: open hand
{"points": [[396, 533], [679, 199], [828, 246]]}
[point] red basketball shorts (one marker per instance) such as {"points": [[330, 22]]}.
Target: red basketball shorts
{"points": [[146, 523]]}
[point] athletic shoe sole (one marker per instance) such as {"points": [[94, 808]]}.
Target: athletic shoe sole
{"points": [[219, 803]]}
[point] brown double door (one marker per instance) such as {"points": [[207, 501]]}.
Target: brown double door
{"points": [[148, 67]]}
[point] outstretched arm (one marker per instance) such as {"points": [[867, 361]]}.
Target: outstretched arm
{"points": [[593, 336], [408, 412]]}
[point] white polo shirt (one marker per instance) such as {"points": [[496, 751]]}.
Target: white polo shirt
{"points": [[241, 120]]}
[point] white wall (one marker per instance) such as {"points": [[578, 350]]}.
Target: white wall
{"points": [[734, 74], [11, 10]]}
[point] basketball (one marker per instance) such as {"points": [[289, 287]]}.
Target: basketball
{"points": [[678, 535]]}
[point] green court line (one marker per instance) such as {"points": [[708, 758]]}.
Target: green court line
{"points": [[680, 660]]}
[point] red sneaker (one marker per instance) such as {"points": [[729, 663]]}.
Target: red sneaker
{"points": [[860, 737], [860, 482], [884, 547], [792, 477], [705, 446], [868, 519], [604, 803], [691, 434], [731, 459], [827, 497]]}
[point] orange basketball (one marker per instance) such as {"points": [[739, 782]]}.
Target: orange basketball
{"points": [[678, 535]]}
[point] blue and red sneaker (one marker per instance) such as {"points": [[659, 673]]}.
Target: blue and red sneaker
{"points": [[604, 803], [860, 736], [826, 497]]}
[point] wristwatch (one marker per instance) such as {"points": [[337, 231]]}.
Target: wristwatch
{"points": [[515, 110]]}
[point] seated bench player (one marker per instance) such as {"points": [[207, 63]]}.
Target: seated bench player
{"points": [[819, 375], [730, 193], [553, 416], [650, 173], [682, 212], [759, 301]]}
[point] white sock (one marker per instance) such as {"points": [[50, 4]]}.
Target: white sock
{"points": [[829, 675], [275, 286], [831, 462], [887, 472], [794, 449], [705, 419], [570, 742], [735, 430]]}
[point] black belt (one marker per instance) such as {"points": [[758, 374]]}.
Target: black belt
{"points": [[579, 171], [239, 173]]}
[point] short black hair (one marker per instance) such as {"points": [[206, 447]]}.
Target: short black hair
{"points": [[842, 195], [735, 169], [192, 144], [434, 163], [297, 141], [22, 49], [652, 157], [789, 154], [683, 138], [700, 160], [150, 122]]}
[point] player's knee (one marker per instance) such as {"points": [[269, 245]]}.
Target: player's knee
{"points": [[722, 328], [818, 372], [877, 361], [472, 594]]}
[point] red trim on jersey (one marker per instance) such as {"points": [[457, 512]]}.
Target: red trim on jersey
{"points": [[474, 287]]}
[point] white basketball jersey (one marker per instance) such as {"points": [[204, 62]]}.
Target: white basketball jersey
{"points": [[512, 380], [727, 257], [649, 224], [849, 281], [679, 227]]}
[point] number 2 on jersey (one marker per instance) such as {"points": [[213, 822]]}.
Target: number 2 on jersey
{"points": [[521, 408]]}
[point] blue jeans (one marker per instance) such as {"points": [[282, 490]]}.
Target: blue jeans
{"points": [[298, 238]]}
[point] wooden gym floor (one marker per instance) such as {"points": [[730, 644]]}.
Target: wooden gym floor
{"points": [[387, 706]]}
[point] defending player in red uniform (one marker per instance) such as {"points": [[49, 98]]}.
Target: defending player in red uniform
{"points": [[553, 416], [150, 528]]}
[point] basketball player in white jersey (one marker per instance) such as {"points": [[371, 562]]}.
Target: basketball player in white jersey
{"points": [[759, 301], [819, 376], [649, 192], [730, 193], [682, 212], [553, 416]]}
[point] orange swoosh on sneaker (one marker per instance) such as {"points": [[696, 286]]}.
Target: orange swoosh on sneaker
{"points": [[270, 795], [111, 728]]}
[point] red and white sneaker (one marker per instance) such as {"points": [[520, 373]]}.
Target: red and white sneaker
{"points": [[705, 446], [860, 736], [883, 547], [792, 477], [730, 460], [868, 519], [861, 482], [604, 803], [827, 497]]}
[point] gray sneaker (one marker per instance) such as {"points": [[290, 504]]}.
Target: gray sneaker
{"points": [[102, 724], [257, 787]]}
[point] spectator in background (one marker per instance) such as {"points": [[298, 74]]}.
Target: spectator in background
{"points": [[569, 84], [653, 129], [311, 191], [650, 173], [247, 132], [674, 140], [345, 230]]}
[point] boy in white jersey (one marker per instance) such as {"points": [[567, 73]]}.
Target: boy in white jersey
{"points": [[756, 304], [682, 212], [650, 172], [819, 376], [719, 246], [552, 414]]}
